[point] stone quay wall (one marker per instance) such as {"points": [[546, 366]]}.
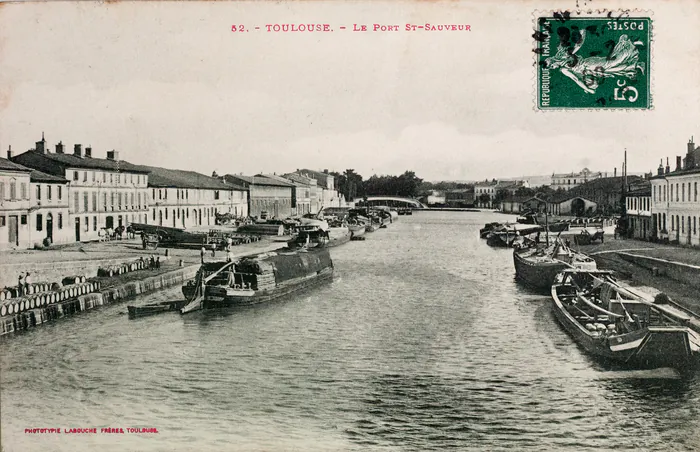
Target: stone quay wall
{"points": [[35, 317], [677, 271]]}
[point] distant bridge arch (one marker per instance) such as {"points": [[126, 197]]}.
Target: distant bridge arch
{"points": [[391, 201]]}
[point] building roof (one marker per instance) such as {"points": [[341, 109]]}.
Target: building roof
{"points": [[56, 164], [171, 178], [320, 176], [7, 165], [296, 177], [34, 175], [678, 173], [605, 183], [277, 178], [258, 179], [584, 172], [38, 176]]}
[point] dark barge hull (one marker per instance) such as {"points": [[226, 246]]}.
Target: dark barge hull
{"points": [[537, 275], [216, 297], [650, 347]]}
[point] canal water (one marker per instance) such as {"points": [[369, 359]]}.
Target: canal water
{"points": [[423, 341]]}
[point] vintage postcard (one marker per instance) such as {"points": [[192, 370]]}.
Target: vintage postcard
{"points": [[349, 225]]}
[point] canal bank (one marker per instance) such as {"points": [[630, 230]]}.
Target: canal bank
{"points": [[670, 269], [175, 268]]}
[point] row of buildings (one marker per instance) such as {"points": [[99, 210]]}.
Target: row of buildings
{"points": [[668, 208], [63, 197]]}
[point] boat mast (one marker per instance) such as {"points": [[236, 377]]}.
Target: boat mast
{"points": [[546, 224]]}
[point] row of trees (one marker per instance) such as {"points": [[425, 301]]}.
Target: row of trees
{"points": [[352, 185]]}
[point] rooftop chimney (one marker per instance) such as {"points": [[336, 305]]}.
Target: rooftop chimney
{"points": [[691, 145], [59, 147], [615, 172], [660, 170], [679, 165], [668, 168], [78, 150], [9, 153], [325, 171], [690, 156], [112, 155], [41, 145], [214, 174], [88, 152]]}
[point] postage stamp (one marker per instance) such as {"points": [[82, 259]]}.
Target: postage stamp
{"points": [[593, 60]]}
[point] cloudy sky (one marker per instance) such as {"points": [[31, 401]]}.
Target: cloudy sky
{"points": [[169, 84]]}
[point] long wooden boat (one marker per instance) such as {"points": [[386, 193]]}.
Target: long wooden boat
{"points": [[155, 308], [257, 279], [614, 322], [357, 230], [537, 266]]}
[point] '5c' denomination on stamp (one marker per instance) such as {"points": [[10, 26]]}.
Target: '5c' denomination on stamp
{"points": [[593, 60]]}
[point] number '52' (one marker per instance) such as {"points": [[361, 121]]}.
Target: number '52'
{"points": [[237, 28]]}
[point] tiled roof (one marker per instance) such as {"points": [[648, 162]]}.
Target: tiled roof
{"points": [[255, 180], [34, 175], [56, 163], [279, 179], [7, 165], [320, 177], [171, 178], [38, 176]]}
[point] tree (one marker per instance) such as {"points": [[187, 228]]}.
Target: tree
{"points": [[484, 199]]}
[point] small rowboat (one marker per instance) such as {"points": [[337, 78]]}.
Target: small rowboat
{"points": [[155, 308]]}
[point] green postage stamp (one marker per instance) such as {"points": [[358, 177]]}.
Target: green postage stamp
{"points": [[593, 60]]}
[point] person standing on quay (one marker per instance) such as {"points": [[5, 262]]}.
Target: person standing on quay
{"points": [[27, 282], [20, 284], [213, 250], [201, 254]]}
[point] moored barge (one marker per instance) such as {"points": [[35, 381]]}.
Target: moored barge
{"points": [[257, 279]]}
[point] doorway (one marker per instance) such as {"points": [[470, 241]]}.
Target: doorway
{"points": [[109, 222], [14, 230], [49, 227], [77, 229]]}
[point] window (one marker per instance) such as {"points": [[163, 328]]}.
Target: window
{"points": [[177, 194], [160, 194], [94, 223], [104, 177], [76, 202], [673, 223], [111, 200], [87, 224], [38, 192], [132, 178], [23, 190], [39, 222], [695, 225], [13, 190], [120, 201], [84, 176], [86, 200], [154, 214], [119, 178], [132, 201], [60, 221], [139, 198], [94, 201], [683, 192], [59, 189], [94, 176], [187, 193], [166, 214], [48, 192], [111, 178], [23, 219], [154, 194], [216, 194], [676, 194], [166, 194], [75, 175], [2, 221], [696, 192], [104, 200], [2, 191], [683, 223]]}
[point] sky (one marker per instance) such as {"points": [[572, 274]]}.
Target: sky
{"points": [[169, 84]]}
